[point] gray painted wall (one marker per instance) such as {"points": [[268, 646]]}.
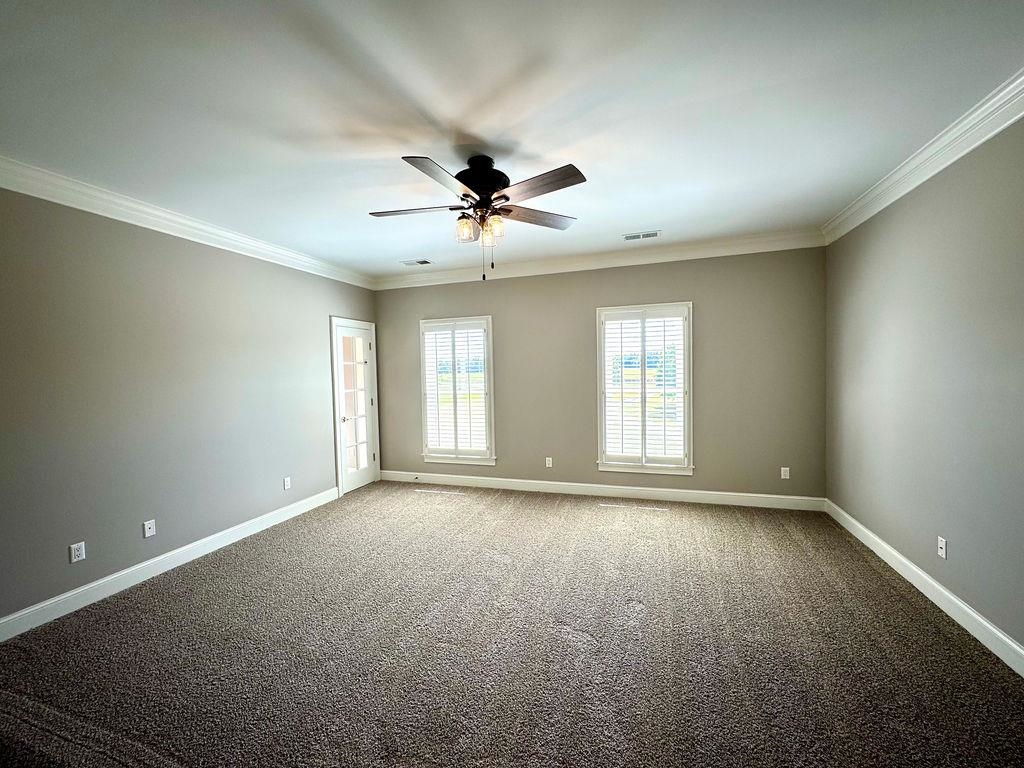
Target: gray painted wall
{"points": [[145, 376], [758, 357], [926, 376]]}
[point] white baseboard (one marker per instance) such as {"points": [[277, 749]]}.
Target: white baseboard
{"points": [[48, 610], [991, 636], [621, 491]]}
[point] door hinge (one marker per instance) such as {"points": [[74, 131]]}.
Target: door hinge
{"points": [[374, 455], [371, 401], [369, 345]]}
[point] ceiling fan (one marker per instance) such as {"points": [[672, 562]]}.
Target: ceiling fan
{"points": [[488, 198]]}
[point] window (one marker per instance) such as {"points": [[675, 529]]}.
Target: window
{"points": [[645, 403], [458, 413]]}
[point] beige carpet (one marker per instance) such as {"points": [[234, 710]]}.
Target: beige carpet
{"points": [[406, 627]]}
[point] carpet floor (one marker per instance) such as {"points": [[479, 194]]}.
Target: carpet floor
{"points": [[426, 626]]}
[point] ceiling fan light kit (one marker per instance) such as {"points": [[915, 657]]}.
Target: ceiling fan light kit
{"points": [[465, 231], [497, 224], [487, 198]]}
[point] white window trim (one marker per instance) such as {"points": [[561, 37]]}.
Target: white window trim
{"points": [[488, 456], [603, 462], [436, 458]]}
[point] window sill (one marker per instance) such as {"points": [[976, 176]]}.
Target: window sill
{"points": [[479, 460], [648, 469]]}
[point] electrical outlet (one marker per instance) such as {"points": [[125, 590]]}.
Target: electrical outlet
{"points": [[77, 551], [547, 462], [288, 483], [149, 529], [785, 473], [941, 548]]}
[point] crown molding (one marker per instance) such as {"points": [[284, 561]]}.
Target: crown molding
{"points": [[998, 110], [700, 249], [38, 182], [47, 185]]}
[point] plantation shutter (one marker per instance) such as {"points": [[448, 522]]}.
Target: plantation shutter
{"points": [[623, 386], [665, 376], [470, 387], [438, 385], [456, 388], [645, 376]]}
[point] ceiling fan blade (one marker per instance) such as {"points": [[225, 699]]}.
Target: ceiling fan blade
{"points": [[560, 178], [532, 216], [441, 176], [404, 211]]}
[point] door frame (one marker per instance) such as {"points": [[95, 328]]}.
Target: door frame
{"points": [[374, 420]]}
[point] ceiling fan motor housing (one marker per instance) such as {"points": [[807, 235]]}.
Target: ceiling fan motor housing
{"points": [[482, 177]]}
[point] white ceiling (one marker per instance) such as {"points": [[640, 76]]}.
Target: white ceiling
{"points": [[286, 120]]}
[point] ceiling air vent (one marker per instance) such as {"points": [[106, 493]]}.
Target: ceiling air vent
{"points": [[642, 235], [417, 262]]}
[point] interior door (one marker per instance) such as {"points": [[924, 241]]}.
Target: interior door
{"points": [[355, 403]]}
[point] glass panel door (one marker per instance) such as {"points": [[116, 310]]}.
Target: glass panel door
{"points": [[355, 383]]}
